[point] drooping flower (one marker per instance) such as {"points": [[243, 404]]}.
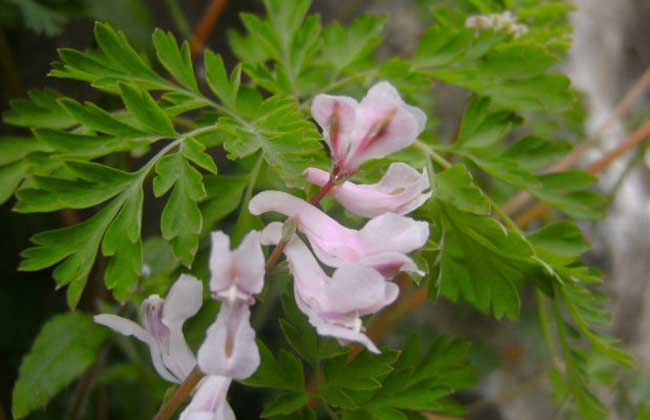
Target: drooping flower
{"points": [[229, 348], [400, 191], [209, 401], [334, 305], [238, 274], [384, 239], [162, 327], [378, 126]]}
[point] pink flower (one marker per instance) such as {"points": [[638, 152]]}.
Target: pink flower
{"points": [[383, 241], [229, 348], [334, 305], [162, 327], [209, 401], [400, 191], [378, 126], [236, 275]]}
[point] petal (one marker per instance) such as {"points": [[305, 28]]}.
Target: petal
{"points": [[358, 290], [272, 234], [336, 115], [346, 335], [399, 191], [229, 348], [309, 277], [328, 329], [392, 232], [124, 326], [179, 359], [401, 124], [390, 263], [220, 262], [249, 264], [209, 401], [128, 327], [182, 302], [325, 233]]}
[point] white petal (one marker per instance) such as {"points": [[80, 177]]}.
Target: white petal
{"points": [[124, 326], [272, 234], [229, 348], [128, 327], [220, 262], [249, 263], [209, 401], [182, 302]]}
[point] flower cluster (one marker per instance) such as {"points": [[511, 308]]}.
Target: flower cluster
{"points": [[364, 260], [504, 22]]}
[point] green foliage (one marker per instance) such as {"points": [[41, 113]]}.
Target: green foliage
{"points": [[165, 130], [66, 346]]}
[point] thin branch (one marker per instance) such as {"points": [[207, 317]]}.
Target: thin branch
{"points": [[521, 199], [86, 383], [205, 26], [640, 134], [168, 409]]}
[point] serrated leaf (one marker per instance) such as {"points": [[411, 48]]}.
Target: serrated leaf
{"points": [[482, 262], [224, 195], [42, 110], [146, 111], [95, 184], [343, 46], [121, 55], [535, 152], [181, 220], [456, 186], [178, 62], [195, 151], [97, 119], [284, 373], [284, 404], [218, 80], [64, 348], [122, 242], [289, 143], [75, 245]]}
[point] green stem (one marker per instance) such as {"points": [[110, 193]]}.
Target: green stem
{"points": [[545, 323], [179, 18]]}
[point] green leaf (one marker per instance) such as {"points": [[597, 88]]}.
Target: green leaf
{"points": [[482, 128], [535, 152], [224, 195], [93, 185], [75, 146], [456, 187], [42, 110], [516, 61], [64, 348], [97, 119], [284, 404], [283, 373], [122, 242], [222, 86], [481, 261], [146, 111], [40, 18], [364, 372], [178, 62], [75, 245], [345, 46], [290, 143], [181, 221], [120, 54], [11, 177]]}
